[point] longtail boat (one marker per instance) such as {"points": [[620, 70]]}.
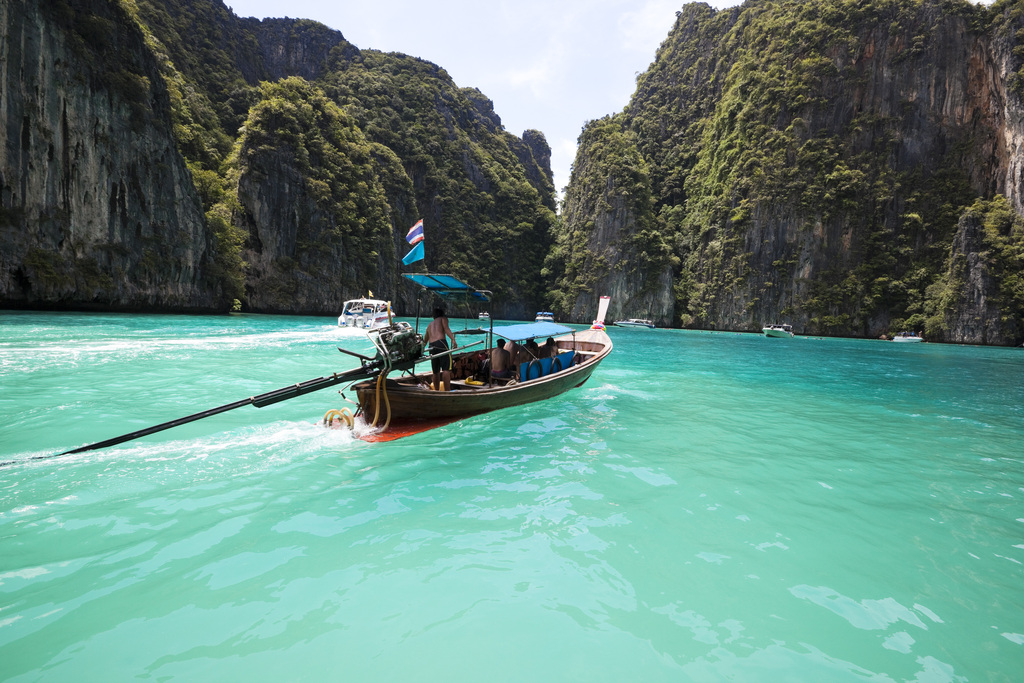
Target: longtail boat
{"points": [[409, 403]]}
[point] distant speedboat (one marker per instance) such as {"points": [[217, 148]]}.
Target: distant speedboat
{"points": [[778, 330], [635, 322], [484, 316], [365, 314], [545, 317], [908, 337]]}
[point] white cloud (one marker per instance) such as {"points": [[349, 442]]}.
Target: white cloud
{"points": [[535, 77], [563, 154], [644, 29]]}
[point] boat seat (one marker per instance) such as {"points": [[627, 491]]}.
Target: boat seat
{"points": [[564, 359], [524, 369]]}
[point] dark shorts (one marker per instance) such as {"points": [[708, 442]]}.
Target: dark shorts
{"points": [[439, 364]]}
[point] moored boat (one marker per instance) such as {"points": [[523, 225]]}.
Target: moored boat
{"points": [[908, 337], [635, 322], [545, 317], [484, 315], [777, 330], [365, 314]]}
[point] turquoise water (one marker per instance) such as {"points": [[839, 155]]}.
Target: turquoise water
{"points": [[708, 507]]}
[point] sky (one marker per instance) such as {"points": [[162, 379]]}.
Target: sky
{"points": [[550, 65]]}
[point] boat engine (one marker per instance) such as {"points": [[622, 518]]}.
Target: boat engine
{"points": [[401, 342]]}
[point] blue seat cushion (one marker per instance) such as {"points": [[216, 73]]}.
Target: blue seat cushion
{"points": [[565, 360]]}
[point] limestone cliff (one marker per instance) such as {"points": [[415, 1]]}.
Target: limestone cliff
{"points": [[975, 318], [807, 162], [534, 154], [979, 299], [437, 152], [313, 207], [128, 180], [612, 247], [97, 206]]}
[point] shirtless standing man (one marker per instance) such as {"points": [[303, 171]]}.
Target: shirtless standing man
{"points": [[437, 333]]}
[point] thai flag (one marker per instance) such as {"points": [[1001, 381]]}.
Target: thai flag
{"points": [[415, 235]]}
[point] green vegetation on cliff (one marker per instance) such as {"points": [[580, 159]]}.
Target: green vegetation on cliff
{"points": [[802, 159], [315, 203], [428, 149], [987, 261], [484, 220], [612, 185]]}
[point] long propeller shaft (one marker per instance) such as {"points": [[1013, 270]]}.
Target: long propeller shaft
{"points": [[269, 398]]}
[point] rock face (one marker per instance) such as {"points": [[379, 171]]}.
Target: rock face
{"points": [[97, 207], [534, 154], [295, 48], [612, 247], [310, 240], [974, 319], [817, 181], [128, 181]]}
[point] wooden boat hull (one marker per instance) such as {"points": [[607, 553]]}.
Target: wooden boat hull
{"points": [[413, 399]]}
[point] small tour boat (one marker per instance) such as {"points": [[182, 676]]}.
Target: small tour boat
{"points": [[365, 314], [908, 337], [778, 330], [545, 317], [408, 404], [484, 316], [635, 322]]}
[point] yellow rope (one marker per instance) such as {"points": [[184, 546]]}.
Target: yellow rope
{"points": [[344, 415], [381, 389]]}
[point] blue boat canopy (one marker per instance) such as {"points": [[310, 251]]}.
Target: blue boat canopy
{"points": [[530, 330], [447, 286]]}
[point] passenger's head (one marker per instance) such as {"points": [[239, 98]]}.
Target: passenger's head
{"points": [[551, 342], [501, 343], [438, 312]]}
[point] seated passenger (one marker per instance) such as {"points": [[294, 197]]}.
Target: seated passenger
{"points": [[516, 355], [501, 361], [550, 349]]}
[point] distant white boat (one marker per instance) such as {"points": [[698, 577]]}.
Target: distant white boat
{"points": [[635, 322], [908, 337], [484, 316], [545, 317], [777, 330], [366, 314]]}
